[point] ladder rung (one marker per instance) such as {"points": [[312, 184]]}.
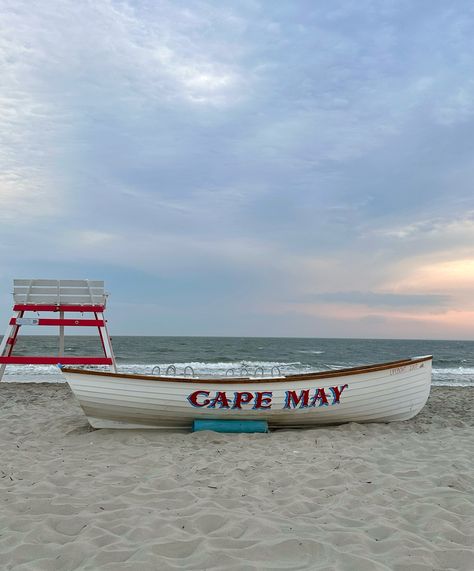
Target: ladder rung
{"points": [[75, 308], [67, 322]]}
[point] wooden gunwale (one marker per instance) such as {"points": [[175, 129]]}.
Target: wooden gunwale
{"points": [[283, 379]]}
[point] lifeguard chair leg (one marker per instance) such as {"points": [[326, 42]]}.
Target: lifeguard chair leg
{"points": [[6, 346], [105, 340], [61, 335]]}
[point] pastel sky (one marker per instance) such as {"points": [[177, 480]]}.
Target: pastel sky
{"points": [[280, 168]]}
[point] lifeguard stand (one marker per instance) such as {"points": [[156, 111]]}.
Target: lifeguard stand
{"points": [[58, 296]]}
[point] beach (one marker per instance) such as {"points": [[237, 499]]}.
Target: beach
{"points": [[352, 497]]}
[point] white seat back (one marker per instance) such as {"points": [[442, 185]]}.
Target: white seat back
{"points": [[59, 292]]}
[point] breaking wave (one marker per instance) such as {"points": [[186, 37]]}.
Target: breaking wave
{"points": [[452, 376], [52, 374]]}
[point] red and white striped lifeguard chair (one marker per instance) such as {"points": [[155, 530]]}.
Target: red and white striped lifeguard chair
{"points": [[58, 296]]}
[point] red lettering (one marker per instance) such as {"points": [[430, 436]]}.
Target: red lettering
{"points": [[292, 400], [320, 395], [337, 392], [192, 398], [242, 398], [263, 400], [221, 400]]}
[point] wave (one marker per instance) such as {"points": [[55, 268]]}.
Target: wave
{"points": [[454, 370], [51, 373], [453, 376], [450, 376], [311, 352]]}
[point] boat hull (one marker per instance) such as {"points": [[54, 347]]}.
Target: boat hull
{"points": [[379, 393]]}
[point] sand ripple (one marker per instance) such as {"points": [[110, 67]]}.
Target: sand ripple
{"points": [[395, 497]]}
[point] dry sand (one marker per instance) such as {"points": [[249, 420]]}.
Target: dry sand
{"points": [[354, 497]]}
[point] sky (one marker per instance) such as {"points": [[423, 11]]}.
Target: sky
{"points": [[255, 168]]}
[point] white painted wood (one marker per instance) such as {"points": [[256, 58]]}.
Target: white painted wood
{"points": [[54, 290], [10, 332], [109, 352], [111, 400], [27, 321], [7, 335], [62, 283], [27, 283], [64, 292]]}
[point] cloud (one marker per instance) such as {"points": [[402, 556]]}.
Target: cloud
{"points": [[386, 300], [278, 149]]}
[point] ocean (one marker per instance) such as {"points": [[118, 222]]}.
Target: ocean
{"points": [[453, 363]]}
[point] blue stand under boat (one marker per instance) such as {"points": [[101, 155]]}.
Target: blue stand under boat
{"points": [[231, 425]]}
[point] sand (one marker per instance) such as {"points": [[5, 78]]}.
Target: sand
{"points": [[353, 497]]}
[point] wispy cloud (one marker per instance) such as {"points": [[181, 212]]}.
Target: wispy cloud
{"points": [[385, 300]]}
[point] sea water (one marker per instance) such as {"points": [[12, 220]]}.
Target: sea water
{"points": [[453, 362]]}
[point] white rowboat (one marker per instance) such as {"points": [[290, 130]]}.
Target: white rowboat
{"points": [[383, 392]]}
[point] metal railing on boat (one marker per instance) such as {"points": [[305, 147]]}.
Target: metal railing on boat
{"points": [[243, 371]]}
